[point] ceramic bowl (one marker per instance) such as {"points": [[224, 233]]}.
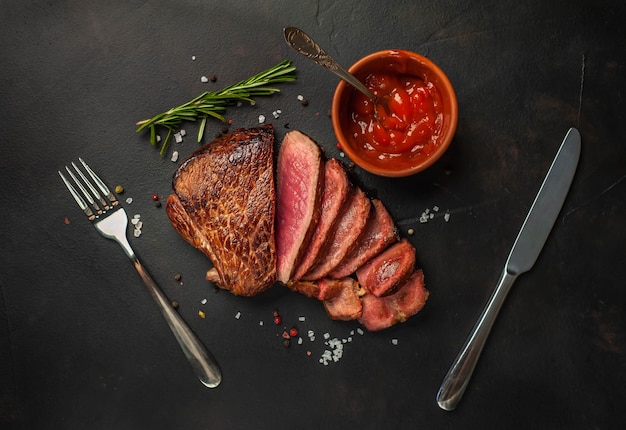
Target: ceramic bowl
{"points": [[400, 63]]}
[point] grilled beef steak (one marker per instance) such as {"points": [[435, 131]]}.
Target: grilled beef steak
{"points": [[344, 236], [299, 188], [380, 232], [382, 312], [224, 205], [336, 188], [383, 274]]}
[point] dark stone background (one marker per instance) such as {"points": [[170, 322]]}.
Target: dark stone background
{"points": [[82, 345]]}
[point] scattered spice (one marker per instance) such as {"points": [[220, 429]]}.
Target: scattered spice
{"points": [[277, 320], [213, 78], [157, 204], [175, 304], [66, 220], [119, 189], [287, 343], [201, 314], [293, 332], [155, 197], [178, 277], [410, 232]]}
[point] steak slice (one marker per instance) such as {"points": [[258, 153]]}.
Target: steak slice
{"points": [[223, 204], [380, 232], [382, 312], [345, 306], [300, 186], [322, 289], [336, 188], [383, 274], [349, 227]]}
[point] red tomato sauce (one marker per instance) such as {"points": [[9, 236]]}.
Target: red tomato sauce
{"points": [[410, 127]]}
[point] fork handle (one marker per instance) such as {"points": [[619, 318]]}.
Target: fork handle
{"points": [[202, 362]]}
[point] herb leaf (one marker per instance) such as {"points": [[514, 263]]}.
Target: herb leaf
{"points": [[213, 104]]}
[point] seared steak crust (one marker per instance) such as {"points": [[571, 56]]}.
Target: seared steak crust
{"points": [[224, 205]]}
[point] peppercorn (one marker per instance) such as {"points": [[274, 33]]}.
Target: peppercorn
{"points": [[286, 343], [178, 277], [155, 197], [157, 204], [304, 102], [213, 78], [175, 304], [293, 332], [224, 129], [277, 320]]}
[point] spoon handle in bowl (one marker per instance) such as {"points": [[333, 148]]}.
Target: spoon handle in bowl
{"points": [[304, 45]]}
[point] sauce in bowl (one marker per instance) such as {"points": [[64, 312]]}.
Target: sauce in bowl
{"points": [[409, 123], [410, 129]]}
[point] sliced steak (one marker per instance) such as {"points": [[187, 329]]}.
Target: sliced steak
{"points": [[322, 289], [344, 236], [345, 306], [383, 312], [300, 186], [383, 274], [380, 232], [223, 204], [336, 188]]}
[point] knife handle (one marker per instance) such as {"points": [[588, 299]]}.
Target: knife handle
{"points": [[457, 378]]}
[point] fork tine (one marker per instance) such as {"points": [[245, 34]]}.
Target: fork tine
{"points": [[103, 203], [82, 189], [105, 190], [81, 203]]}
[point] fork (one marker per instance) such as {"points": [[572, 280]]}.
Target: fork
{"points": [[109, 218]]}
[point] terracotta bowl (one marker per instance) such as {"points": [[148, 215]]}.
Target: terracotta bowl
{"points": [[396, 62]]}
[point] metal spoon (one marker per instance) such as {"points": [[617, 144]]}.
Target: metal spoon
{"points": [[303, 44]]}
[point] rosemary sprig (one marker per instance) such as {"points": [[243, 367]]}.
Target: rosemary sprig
{"points": [[213, 104]]}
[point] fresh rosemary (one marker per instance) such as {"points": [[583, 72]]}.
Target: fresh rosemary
{"points": [[213, 104]]}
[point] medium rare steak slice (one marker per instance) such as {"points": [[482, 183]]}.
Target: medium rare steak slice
{"points": [[336, 188], [223, 204], [383, 274], [300, 186], [345, 306], [380, 232], [383, 312], [344, 236]]}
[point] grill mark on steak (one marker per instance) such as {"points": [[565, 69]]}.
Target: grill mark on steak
{"points": [[343, 238], [224, 205], [380, 232], [300, 185], [336, 188]]}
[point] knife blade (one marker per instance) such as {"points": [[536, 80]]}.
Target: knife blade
{"points": [[524, 253]]}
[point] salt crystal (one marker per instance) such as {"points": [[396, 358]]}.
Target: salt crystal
{"points": [[301, 319], [129, 200], [204, 79], [139, 225], [446, 216], [276, 114], [394, 341], [193, 58], [238, 315], [360, 331], [299, 341], [300, 97], [182, 132], [134, 221], [436, 208], [137, 233], [326, 336], [178, 138], [158, 138], [260, 322], [136, 216], [261, 119], [203, 301], [174, 156]]}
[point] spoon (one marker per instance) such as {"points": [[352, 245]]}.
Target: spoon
{"points": [[304, 45]]}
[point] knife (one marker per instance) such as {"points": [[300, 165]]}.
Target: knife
{"points": [[526, 249]]}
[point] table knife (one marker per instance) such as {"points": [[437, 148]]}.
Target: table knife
{"points": [[526, 249]]}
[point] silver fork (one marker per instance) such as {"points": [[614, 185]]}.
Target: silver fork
{"points": [[110, 219]]}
